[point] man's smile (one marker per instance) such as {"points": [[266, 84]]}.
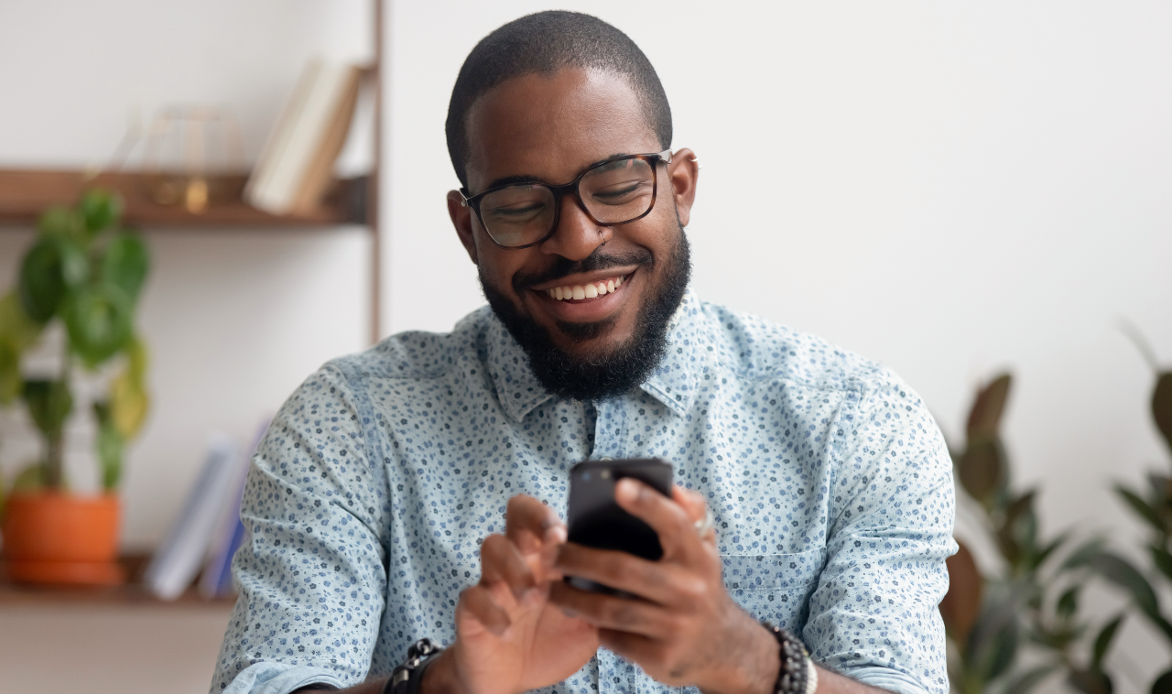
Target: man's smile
{"points": [[587, 298]]}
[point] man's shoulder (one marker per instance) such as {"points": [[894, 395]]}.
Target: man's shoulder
{"points": [[761, 349], [419, 355]]}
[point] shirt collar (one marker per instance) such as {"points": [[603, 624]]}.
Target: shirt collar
{"points": [[673, 382]]}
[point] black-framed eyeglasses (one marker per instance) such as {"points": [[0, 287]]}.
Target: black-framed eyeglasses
{"points": [[616, 191]]}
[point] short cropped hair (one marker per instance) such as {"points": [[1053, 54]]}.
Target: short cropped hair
{"points": [[544, 43]]}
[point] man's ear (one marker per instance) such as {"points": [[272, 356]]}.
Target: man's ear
{"points": [[683, 172], [462, 220]]}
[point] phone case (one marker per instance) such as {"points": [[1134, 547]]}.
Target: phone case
{"points": [[595, 520]]}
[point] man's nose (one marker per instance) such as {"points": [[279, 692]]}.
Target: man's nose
{"points": [[577, 235]]}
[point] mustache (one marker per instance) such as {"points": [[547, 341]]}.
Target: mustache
{"points": [[564, 267]]}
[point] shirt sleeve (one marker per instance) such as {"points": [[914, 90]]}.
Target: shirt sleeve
{"points": [[874, 615], [311, 570]]}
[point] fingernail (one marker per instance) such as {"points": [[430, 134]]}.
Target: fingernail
{"points": [[569, 613], [629, 490], [556, 534]]}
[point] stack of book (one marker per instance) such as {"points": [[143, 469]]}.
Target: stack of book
{"points": [[208, 530], [296, 165]]}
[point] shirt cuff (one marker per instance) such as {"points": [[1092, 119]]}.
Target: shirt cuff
{"points": [[276, 678], [886, 678]]}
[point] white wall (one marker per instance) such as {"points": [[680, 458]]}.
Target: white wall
{"points": [[949, 188]]}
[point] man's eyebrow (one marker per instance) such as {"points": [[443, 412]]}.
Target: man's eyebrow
{"points": [[513, 180]]}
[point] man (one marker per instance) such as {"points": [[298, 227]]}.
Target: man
{"points": [[377, 503]]}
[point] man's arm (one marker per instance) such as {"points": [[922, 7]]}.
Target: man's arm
{"points": [[311, 573]]}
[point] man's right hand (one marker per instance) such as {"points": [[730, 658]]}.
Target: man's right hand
{"points": [[509, 637]]}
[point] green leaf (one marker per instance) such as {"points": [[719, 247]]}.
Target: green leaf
{"points": [[981, 469], [62, 222], [100, 208], [1103, 641], [49, 404], [1049, 549], [1141, 507], [110, 447], [985, 416], [1004, 651], [125, 263], [1085, 554], [1162, 559], [1029, 679], [1162, 405], [1068, 602], [99, 322], [10, 381], [52, 268], [1163, 684], [137, 358], [16, 328], [1120, 572]]}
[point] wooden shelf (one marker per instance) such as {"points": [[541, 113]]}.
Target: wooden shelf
{"points": [[133, 592], [25, 193]]}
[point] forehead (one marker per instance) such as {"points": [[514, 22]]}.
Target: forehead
{"points": [[551, 127]]}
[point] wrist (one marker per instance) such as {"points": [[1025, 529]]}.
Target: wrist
{"points": [[440, 676], [749, 662]]}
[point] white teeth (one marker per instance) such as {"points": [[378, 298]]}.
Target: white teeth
{"points": [[586, 291]]}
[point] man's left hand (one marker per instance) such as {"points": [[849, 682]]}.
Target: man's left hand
{"points": [[683, 629]]}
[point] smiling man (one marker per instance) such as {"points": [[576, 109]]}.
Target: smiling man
{"points": [[412, 496]]}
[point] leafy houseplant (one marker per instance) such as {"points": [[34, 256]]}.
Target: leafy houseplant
{"points": [[1033, 601], [84, 271], [1153, 505]]}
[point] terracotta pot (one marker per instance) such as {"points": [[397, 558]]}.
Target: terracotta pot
{"points": [[62, 538]]}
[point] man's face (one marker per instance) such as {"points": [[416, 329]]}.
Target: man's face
{"points": [[550, 129]]}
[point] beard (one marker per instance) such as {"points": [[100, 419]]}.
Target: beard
{"points": [[599, 374]]}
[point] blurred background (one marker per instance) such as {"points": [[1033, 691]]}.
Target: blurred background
{"points": [[952, 190]]}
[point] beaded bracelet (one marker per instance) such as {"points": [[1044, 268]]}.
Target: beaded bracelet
{"points": [[797, 674]]}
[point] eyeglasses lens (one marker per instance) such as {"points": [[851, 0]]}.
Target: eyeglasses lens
{"points": [[613, 193]]}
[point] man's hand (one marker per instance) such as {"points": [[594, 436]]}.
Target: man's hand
{"points": [[509, 638], [684, 629]]}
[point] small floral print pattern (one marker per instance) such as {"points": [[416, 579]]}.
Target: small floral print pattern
{"points": [[367, 500]]}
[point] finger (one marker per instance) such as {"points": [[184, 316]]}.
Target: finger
{"points": [[695, 506], [477, 610], [668, 519], [664, 584], [610, 612], [501, 562], [531, 525]]}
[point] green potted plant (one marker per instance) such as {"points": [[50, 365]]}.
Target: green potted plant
{"points": [[81, 277]]}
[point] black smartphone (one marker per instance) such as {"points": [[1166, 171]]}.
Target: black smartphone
{"points": [[596, 520]]}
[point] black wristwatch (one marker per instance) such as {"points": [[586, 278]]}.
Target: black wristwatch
{"points": [[405, 678], [797, 674]]}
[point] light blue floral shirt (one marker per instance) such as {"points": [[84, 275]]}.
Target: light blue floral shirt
{"points": [[368, 498]]}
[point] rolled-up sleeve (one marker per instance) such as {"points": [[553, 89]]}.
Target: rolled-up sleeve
{"points": [[874, 615], [311, 570]]}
